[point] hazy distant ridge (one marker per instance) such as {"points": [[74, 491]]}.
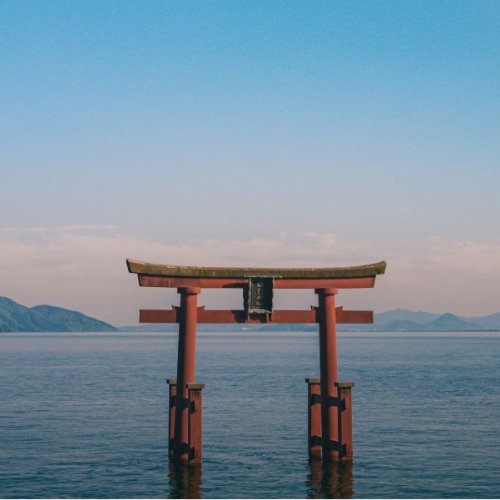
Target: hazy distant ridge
{"points": [[15, 317], [419, 317], [404, 320]]}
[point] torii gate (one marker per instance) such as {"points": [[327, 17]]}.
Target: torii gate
{"points": [[329, 401]]}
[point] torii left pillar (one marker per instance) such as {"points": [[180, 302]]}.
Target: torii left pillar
{"points": [[185, 417], [329, 372]]}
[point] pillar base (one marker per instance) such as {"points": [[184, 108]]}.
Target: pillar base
{"points": [[190, 452], [340, 450], [314, 417]]}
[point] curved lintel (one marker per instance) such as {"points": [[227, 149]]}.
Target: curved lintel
{"points": [[150, 269]]}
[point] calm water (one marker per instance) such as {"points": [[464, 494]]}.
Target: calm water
{"points": [[85, 415]]}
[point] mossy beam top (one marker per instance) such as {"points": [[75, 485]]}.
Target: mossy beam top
{"points": [[149, 269]]}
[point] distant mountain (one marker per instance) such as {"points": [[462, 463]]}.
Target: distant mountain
{"points": [[444, 323], [15, 317], [419, 317], [403, 320], [491, 321], [450, 322], [401, 325]]}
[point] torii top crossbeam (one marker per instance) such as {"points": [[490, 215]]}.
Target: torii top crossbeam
{"points": [[258, 285], [364, 271]]}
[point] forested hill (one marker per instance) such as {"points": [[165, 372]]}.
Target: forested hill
{"points": [[15, 317]]}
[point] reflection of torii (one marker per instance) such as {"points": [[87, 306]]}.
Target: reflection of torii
{"points": [[330, 430]]}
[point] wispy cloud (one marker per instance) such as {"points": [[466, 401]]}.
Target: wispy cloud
{"points": [[83, 267]]}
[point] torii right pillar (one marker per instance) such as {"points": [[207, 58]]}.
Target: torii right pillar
{"points": [[330, 425]]}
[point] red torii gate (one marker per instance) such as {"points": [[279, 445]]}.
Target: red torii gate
{"points": [[329, 401]]}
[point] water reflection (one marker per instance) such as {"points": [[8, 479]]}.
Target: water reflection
{"points": [[329, 480], [185, 480]]}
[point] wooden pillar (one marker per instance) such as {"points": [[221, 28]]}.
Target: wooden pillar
{"points": [[186, 370], [172, 391], [314, 417], [195, 422], [328, 373], [345, 419]]}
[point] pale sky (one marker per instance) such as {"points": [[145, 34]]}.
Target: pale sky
{"points": [[250, 133]]}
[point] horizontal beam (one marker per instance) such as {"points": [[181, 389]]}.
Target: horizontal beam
{"points": [[227, 316], [239, 316], [354, 316], [166, 270], [158, 316], [368, 282], [160, 281], [278, 283]]}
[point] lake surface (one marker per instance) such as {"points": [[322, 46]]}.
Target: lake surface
{"points": [[85, 415]]}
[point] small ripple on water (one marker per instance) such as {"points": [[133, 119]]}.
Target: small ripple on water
{"points": [[87, 418]]}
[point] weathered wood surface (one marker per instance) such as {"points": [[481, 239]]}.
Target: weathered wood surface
{"points": [[165, 270], [240, 316]]}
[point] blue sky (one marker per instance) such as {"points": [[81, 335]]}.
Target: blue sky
{"points": [[266, 133]]}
